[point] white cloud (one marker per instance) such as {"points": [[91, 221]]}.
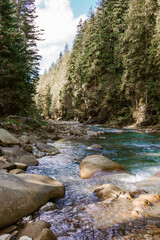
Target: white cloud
{"points": [[57, 20]]}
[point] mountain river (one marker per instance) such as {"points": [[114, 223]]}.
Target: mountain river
{"points": [[136, 151]]}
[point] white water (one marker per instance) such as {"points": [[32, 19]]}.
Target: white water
{"points": [[135, 151]]}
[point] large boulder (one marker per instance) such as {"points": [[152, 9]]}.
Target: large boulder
{"points": [[18, 155], [7, 138], [21, 195], [47, 148], [97, 163]]}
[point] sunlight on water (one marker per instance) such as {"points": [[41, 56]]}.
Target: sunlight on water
{"points": [[137, 152]]}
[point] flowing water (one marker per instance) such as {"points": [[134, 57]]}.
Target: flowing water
{"points": [[137, 152]]}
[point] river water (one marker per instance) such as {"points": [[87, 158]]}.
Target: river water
{"points": [[136, 151]]}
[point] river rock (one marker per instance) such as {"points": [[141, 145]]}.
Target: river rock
{"points": [[119, 131], [25, 238], [24, 139], [95, 146], [5, 237], [31, 139], [108, 191], [21, 166], [16, 171], [8, 230], [7, 138], [150, 197], [4, 170], [140, 202], [52, 136], [141, 211], [34, 229], [17, 154], [28, 148], [98, 163], [46, 234], [6, 164], [92, 134], [76, 131], [47, 148], [21, 195], [48, 207]]}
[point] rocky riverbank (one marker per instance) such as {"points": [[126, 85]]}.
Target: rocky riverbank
{"points": [[25, 194], [22, 142]]}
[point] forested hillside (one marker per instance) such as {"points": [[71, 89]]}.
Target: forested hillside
{"points": [[50, 88], [113, 70], [19, 57]]}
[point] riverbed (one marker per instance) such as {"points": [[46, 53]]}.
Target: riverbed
{"points": [[138, 152]]}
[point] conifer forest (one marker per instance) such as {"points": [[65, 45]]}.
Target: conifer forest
{"points": [[112, 72], [19, 59], [80, 143]]}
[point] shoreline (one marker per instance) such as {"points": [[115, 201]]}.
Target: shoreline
{"points": [[58, 130]]}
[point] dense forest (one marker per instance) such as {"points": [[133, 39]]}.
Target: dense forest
{"points": [[112, 72], [19, 59]]}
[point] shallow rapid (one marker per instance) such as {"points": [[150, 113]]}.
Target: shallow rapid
{"points": [[136, 151]]}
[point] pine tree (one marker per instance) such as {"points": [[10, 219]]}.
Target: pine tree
{"points": [[73, 75], [18, 56], [136, 42], [26, 13], [12, 55], [154, 61]]}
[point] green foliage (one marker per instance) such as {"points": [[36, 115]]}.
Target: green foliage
{"points": [[113, 70], [49, 89], [18, 56]]}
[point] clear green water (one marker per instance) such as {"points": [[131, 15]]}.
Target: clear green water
{"points": [[137, 152]]}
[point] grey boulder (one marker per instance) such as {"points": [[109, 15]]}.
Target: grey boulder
{"points": [[21, 195], [47, 148], [18, 155], [7, 138]]}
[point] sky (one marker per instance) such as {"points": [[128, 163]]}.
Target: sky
{"points": [[59, 19]]}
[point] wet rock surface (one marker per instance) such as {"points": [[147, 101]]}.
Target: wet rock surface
{"points": [[34, 229], [23, 194], [115, 213], [97, 163], [47, 148]]}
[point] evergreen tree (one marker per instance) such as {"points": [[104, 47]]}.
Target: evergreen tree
{"points": [[136, 42], [66, 49], [26, 16], [114, 67], [12, 55], [154, 71], [73, 75], [18, 56]]}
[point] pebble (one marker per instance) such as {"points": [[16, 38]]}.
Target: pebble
{"points": [[25, 238]]}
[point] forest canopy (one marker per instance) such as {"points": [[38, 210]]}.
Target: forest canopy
{"points": [[112, 72], [113, 69]]}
